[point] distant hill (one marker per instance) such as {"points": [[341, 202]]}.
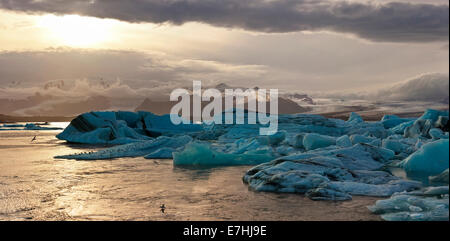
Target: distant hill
{"points": [[39, 105], [301, 98], [285, 106], [10, 105]]}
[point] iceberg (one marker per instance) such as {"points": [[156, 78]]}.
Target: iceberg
{"points": [[428, 204], [116, 128], [361, 139], [31, 126], [148, 148], [441, 178], [343, 141], [394, 145], [161, 153], [203, 154], [432, 158], [437, 134], [28, 126], [355, 118], [391, 121], [364, 189], [313, 141], [433, 115], [333, 174]]}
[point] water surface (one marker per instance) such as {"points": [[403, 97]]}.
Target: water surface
{"points": [[35, 186]]}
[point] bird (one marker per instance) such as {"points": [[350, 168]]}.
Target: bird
{"points": [[34, 138], [163, 207]]}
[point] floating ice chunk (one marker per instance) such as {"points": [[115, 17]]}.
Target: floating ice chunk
{"points": [[414, 206], [361, 139], [390, 121], [295, 181], [379, 190], [372, 129], [435, 191], [436, 134], [235, 132], [357, 157], [298, 140], [162, 125], [162, 153], [343, 141], [31, 126], [321, 193], [121, 127], [419, 144], [274, 139], [13, 125], [343, 171], [100, 128], [28, 126], [432, 158], [394, 145], [400, 129], [202, 154], [354, 118], [429, 120], [441, 178], [441, 122], [419, 128], [285, 150], [433, 115], [389, 117], [313, 141], [133, 149]]}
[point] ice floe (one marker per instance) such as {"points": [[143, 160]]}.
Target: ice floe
{"points": [[121, 127], [330, 174], [432, 158], [142, 148], [27, 126], [427, 204], [323, 158]]}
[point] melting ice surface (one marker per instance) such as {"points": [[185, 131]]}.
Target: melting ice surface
{"points": [[326, 159]]}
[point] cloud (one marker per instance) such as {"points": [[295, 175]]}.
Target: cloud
{"points": [[392, 21], [55, 80], [427, 87], [430, 87], [137, 69]]}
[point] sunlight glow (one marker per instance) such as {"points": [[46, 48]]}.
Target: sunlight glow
{"points": [[77, 31]]}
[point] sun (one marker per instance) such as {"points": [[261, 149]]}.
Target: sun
{"points": [[77, 31]]}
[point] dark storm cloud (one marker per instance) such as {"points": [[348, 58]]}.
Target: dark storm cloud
{"points": [[394, 22]]}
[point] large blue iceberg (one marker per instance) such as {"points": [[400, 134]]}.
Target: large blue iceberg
{"points": [[432, 158], [121, 127]]}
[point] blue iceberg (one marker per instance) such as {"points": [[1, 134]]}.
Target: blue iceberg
{"points": [[432, 158]]}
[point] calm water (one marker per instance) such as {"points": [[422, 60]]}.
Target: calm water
{"points": [[35, 186]]}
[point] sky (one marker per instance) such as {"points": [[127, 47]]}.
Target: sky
{"points": [[146, 48]]}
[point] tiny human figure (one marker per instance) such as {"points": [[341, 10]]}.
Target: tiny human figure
{"points": [[34, 138], [163, 207]]}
